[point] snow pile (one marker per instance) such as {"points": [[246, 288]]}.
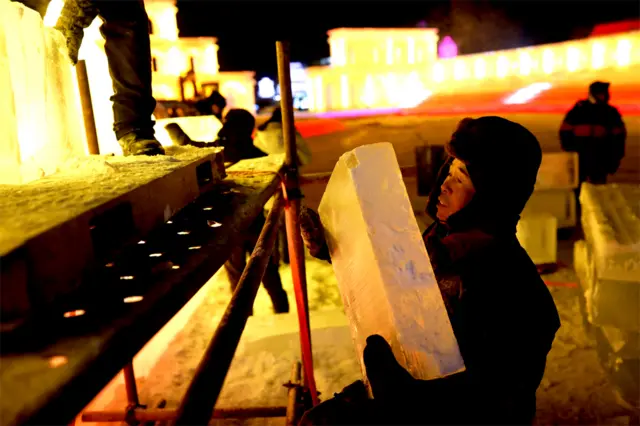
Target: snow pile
{"points": [[383, 270]]}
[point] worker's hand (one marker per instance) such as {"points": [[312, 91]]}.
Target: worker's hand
{"points": [[75, 16], [389, 381], [396, 389], [313, 234]]}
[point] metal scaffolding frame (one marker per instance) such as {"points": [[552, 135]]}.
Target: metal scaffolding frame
{"points": [[198, 403]]}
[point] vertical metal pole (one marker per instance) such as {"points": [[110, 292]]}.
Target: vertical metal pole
{"points": [[294, 395], [87, 107], [292, 215], [130, 385]]}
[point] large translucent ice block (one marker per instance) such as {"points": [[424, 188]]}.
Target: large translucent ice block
{"points": [[384, 274], [42, 125], [26, 48], [65, 136], [9, 147]]}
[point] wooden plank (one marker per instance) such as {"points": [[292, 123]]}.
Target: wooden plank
{"points": [[68, 222], [54, 366]]}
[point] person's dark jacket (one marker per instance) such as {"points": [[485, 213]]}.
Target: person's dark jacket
{"points": [[236, 136], [595, 131]]}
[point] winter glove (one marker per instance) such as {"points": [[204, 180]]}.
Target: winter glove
{"points": [[76, 15], [413, 401], [350, 407], [313, 234], [389, 381]]}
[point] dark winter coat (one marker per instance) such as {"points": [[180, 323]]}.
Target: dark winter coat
{"points": [[236, 136], [597, 133], [502, 314]]}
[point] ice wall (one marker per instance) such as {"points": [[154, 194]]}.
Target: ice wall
{"points": [[384, 274], [9, 148], [41, 121]]}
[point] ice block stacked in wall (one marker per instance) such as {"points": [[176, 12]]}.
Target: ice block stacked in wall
{"points": [[381, 263], [609, 259], [41, 121]]}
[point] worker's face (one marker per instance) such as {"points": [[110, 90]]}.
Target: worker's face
{"points": [[601, 97], [456, 191]]}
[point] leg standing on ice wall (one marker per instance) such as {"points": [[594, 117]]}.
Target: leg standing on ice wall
{"points": [[127, 46]]}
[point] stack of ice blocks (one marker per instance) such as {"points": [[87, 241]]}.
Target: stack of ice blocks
{"points": [[607, 263], [384, 274]]}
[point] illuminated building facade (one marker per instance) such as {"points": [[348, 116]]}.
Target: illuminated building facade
{"points": [[174, 56], [400, 68]]}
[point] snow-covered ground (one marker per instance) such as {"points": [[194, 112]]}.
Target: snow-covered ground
{"points": [[574, 390]]}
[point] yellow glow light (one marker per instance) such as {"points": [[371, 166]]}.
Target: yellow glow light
{"points": [[623, 52], [344, 91], [459, 70], [368, 98], [502, 66], [319, 99], [480, 68], [597, 55], [573, 59], [389, 51], [547, 61], [166, 26], [525, 63], [338, 52], [210, 62], [233, 86], [411, 53], [58, 361], [176, 62], [438, 73]]}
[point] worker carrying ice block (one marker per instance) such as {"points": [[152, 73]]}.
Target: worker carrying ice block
{"points": [[502, 316]]}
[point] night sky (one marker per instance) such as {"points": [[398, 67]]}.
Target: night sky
{"points": [[247, 30]]}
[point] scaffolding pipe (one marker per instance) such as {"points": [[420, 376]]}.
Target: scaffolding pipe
{"points": [[87, 107], [198, 404], [293, 396], [130, 385], [292, 216]]}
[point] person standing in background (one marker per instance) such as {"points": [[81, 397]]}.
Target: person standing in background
{"points": [[594, 129]]}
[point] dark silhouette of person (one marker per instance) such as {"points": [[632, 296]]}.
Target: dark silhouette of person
{"points": [[594, 129]]}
